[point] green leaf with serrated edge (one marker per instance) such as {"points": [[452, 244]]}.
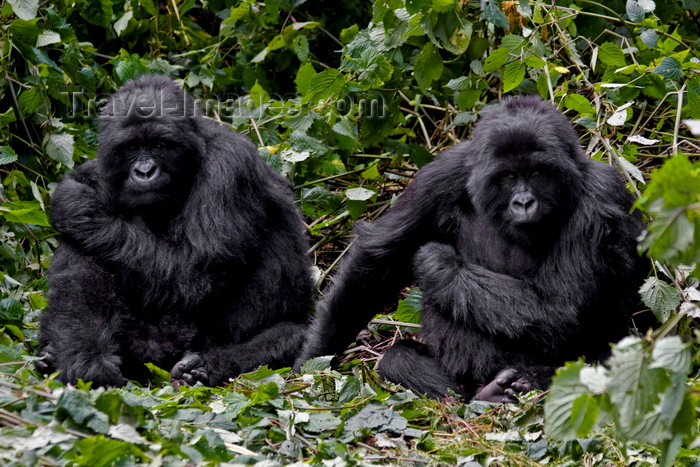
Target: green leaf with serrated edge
{"points": [[496, 60], [60, 147], [359, 194], [317, 364], [579, 103], [408, 309], [634, 11], [30, 100], [661, 297], [611, 54], [636, 391], [325, 85], [457, 84], [670, 68], [535, 62], [491, 11], [513, 75], [567, 408], [159, 376], [428, 66], [356, 208], [672, 354], [649, 37], [24, 212], [24, 9], [7, 155], [372, 173], [320, 422]]}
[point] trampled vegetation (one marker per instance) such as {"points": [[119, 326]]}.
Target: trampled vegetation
{"points": [[347, 100]]}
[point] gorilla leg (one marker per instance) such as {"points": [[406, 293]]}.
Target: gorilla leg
{"points": [[408, 363], [78, 333], [276, 346]]}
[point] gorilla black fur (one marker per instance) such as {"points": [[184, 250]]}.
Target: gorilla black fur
{"points": [[525, 251], [179, 246]]}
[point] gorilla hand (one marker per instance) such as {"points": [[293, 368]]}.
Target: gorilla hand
{"points": [[504, 388], [188, 371], [434, 261]]}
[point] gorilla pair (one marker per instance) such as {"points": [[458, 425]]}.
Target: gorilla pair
{"points": [[181, 247]]}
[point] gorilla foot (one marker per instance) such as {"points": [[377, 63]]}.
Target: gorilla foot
{"points": [[504, 388], [188, 371]]}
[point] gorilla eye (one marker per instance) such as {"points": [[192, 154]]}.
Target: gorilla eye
{"points": [[535, 174], [511, 175]]}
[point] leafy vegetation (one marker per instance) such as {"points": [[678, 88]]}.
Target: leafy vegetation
{"points": [[348, 102]]}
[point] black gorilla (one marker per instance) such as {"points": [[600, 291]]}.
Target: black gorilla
{"points": [[525, 251], [179, 246]]}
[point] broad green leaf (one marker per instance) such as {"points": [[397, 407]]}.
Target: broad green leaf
{"points": [[650, 37], [496, 60], [60, 147], [491, 11], [670, 68], [377, 417], [611, 54], [317, 364], [7, 155], [513, 75], [325, 85], [359, 194], [672, 354], [320, 422], [636, 392], [47, 38], [30, 100], [408, 309], [570, 412], [661, 297], [579, 103], [428, 66], [122, 23], [442, 6], [304, 75], [24, 9], [534, 61], [24, 212], [457, 84], [634, 11]]}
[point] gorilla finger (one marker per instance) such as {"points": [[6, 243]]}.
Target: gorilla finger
{"points": [[506, 377], [192, 360]]}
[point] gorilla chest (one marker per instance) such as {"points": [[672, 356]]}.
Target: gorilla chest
{"points": [[482, 244]]}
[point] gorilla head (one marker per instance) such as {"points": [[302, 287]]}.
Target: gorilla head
{"points": [[524, 179], [147, 164]]}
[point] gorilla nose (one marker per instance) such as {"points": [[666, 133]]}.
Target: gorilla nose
{"points": [[523, 205], [145, 171]]}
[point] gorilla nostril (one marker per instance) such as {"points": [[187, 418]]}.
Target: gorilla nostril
{"points": [[145, 170]]}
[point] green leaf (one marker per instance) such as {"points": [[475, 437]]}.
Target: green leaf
{"points": [[636, 391], [635, 12], [579, 103], [513, 75], [670, 68], [672, 354], [569, 409], [359, 194], [99, 451], [428, 66], [661, 297], [535, 62], [159, 376], [442, 6], [649, 37], [317, 364], [24, 9], [408, 309], [24, 212], [47, 38], [325, 85], [611, 54], [7, 155], [60, 147], [377, 417], [122, 23], [496, 60], [30, 100], [491, 11]]}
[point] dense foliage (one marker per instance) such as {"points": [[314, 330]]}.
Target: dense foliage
{"points": [[348, 100]]}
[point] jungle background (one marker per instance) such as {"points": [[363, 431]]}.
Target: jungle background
{"points": [[348, 99]]}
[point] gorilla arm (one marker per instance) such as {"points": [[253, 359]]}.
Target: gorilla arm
{"points": [[378, 263], [496, 303]]}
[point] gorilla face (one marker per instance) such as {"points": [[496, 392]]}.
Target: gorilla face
{"points": [[154, 173], [148, 166]]}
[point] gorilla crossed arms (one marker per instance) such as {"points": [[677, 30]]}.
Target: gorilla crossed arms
{"points": [[525, 251], [179, 246]]}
